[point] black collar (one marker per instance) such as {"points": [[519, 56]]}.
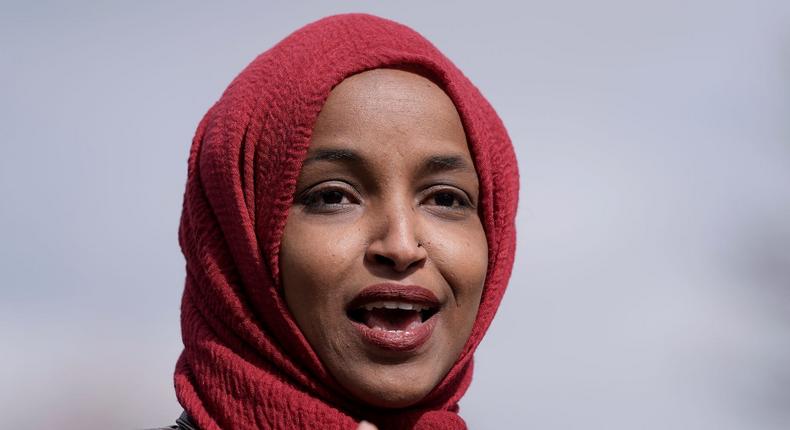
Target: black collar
{"points": [[185, 423]]}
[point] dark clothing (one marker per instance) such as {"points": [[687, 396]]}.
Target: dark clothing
{"points": [[182, 423]]}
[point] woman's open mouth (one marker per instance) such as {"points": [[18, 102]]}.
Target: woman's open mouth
{"points": [[394, 317]]}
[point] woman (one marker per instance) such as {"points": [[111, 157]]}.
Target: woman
{"points": [[348, 227]]}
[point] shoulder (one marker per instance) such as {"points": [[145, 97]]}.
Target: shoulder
{"points": [[182, 423]]}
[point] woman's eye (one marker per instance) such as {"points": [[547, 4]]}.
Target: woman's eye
{"points": [[444, 199], [326, 200], [331, 197], [450, 200]]}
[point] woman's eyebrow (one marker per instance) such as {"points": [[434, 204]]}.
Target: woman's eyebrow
{"points": [[444, 163], [334, 155], [432, 164]]}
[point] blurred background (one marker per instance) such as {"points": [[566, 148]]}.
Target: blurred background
{"points": [[652, 283]]}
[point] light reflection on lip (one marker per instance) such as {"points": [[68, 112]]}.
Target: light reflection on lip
{"points": [[398, 341]]}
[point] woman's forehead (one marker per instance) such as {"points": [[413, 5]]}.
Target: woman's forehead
{"points": [[389, 111], [383, 101]]}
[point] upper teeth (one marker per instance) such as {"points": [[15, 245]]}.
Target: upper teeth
{"points": [[395, 305]]}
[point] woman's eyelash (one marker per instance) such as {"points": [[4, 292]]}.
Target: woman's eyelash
{"points": [[335, 198], [448, 198], [325, 197]]}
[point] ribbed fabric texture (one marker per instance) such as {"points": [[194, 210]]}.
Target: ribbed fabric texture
{"points": [[246, 364]]}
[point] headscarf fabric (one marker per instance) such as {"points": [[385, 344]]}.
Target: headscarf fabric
{"points": [[245, 363]]}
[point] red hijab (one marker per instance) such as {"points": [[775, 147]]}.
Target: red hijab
{"points": [[246, 364]]}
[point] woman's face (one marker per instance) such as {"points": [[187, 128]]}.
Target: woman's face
{"points": [[384, 256]]}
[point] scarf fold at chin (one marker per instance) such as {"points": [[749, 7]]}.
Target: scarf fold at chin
{"points": [[246, 364]]}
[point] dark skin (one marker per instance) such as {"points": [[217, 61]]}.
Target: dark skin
{"points": [[388, 193]]}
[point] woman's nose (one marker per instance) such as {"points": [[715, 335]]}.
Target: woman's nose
{"points": [[395, 243]]}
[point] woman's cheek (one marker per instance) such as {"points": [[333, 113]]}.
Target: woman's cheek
{"points": [[461, 255], [477, 250], [330, 250]]}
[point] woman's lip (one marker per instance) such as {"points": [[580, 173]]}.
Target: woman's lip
{"points": [[395, 293], [397, 340]]}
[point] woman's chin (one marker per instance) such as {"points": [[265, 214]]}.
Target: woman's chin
{"points": [[385, 376], [391, 391]]}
